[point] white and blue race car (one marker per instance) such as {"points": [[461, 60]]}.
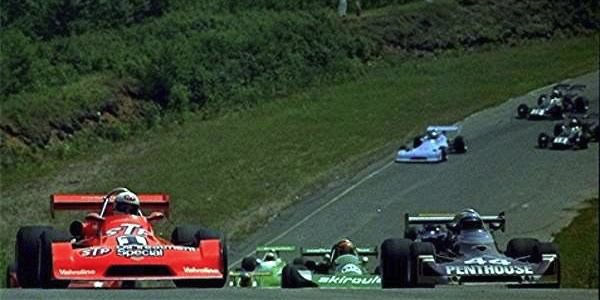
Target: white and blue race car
{"points": [[433, 146]]}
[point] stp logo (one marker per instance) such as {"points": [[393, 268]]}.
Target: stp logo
{"points": [[94, 251]]}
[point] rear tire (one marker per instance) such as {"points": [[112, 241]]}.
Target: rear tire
{"points": [[581, 105], [522, 111], [581, 142], [47, 238], [411, 233], [249, 264], [558, 128], [395, 262], [543, 141], [417, 141], [521, 248], [459, 145], [417, 249], [28, 255]]}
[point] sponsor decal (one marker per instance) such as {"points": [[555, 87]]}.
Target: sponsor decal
{"points": [[94, 251], [149, 251], [351, 268], [561, 140], [80, 272], [537, 111], [127, 229], [194, 270], [488, 270], [483, 261], [350, 280]]}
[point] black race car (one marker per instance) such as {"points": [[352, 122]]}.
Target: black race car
{"points": [[563, 99], [572, 134], [460, 249]]}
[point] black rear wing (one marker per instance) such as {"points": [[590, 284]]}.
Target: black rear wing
{"points": [[422, 219]]}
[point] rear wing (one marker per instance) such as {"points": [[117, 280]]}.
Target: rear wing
{"points": [[93, 202], [443, 128], [275, 249], [422, 219], [366, 251]]}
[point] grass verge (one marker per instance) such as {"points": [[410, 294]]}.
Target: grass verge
{"points": [[578, 244], [235, 172]]}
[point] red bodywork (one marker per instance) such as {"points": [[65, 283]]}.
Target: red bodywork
{"points": [[119, 247]]}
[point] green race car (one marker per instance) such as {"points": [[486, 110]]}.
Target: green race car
{"points": [[343, 266], [261, 272]]}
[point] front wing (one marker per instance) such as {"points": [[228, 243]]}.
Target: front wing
{"points": [[515, 273]]}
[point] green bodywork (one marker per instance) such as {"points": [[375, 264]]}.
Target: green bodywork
{"points": [[266, 274]]}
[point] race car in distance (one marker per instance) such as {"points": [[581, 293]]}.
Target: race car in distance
{"points": [[460, 249], [433, 146], [572, 134], [117, 247], [343, 266], [564, 98], [261, 272]]}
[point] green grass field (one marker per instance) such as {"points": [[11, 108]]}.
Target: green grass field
{"points": [[578, 245], [235, 172]]}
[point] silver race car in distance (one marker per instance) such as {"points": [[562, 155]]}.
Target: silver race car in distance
{"points": [[433, 146]]}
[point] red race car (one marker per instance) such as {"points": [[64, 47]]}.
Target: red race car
{"points": [[116, 247]]}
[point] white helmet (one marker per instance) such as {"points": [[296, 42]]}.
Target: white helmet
{"points": [[127, 202]]}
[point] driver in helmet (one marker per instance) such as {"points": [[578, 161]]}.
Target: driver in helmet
{"points": [[126, 202], [343, 247], [468, 219], [433, 135]]}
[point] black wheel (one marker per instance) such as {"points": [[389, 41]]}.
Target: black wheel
{"points": [[459, 145], [11, 276], [291, 279], [411, 233], [395, 263], [192, 235], [249, 263], [543, 141], [417, 141], [47, 238], [417, 249], [580, 105], [522, 111], [581, 142], [567, 104], [596, 133], [28, 255], [522, 248]]}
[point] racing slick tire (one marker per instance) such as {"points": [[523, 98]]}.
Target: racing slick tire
{"points": [[395, 262], [417, 141], [192, 235], [522, 247], [416, 249], [581, 142], [27, 255], [11, 280], [596, 133], [291, 279], [543, 141], [249, 263], [556, 112], [46, 239], [522, 111], [558, 128], [580, 105], [459, 145], [411, 233]]}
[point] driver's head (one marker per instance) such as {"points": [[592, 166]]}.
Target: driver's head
{"points": [[127, 202], [433, 134], [270, 256], [469, 219], [344, 247], [555, 94]]}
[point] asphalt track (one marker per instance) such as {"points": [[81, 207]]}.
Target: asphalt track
{"points": [[502, 171]]}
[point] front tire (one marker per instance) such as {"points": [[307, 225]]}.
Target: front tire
{"points": [[523, 248], [291, 279], [522, 111], [28, 255], [459, 145], [543, 141], [395, 262], [417, 249]]}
